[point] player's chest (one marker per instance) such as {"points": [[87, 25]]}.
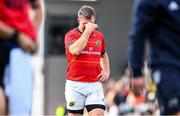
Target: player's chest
{"points": [[94, 43]]}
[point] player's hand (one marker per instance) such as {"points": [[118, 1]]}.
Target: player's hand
{"points": [[103, 76], [90, 27], [26, 43], [137, 86]]}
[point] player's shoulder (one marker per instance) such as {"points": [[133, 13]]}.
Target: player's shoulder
{"points": [[71, 32], [99, 33]]}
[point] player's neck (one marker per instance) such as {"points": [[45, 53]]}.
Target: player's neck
{"points": [[81, 29]]}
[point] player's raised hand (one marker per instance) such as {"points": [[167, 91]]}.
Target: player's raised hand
{"points": [[90, 27]]}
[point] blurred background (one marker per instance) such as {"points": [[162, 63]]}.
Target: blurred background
{"points": [[114, 21]]}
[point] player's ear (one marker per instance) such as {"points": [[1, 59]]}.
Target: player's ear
{"points": [[78, 20]]}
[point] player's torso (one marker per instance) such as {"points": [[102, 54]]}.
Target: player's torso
{"points": [[14, 4], [14, 8], [15, 13], [92, 51], [86, 66]]}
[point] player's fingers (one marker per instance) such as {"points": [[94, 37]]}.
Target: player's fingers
{"points": [[26, 48], [34, 48], [106, 79], [96, 26], [139, 90], [103, 78], [99, 75]]}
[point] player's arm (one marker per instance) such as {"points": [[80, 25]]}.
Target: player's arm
{"points": [[37, 12], [78, 46], [6, 32], [144, 18], [104, 63], [24, 41]]}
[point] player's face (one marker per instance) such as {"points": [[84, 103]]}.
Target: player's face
{"points": [[83, 21]]}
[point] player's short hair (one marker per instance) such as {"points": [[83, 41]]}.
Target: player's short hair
{"points": [[87, 12]]}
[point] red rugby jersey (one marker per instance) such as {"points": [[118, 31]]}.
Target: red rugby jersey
{"points": [[86, 66], [15, 13]]}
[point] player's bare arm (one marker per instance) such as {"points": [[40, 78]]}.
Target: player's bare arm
{"points": [[37, 12], [5, 31], [78, 46], [22, 39], [104, 62]]}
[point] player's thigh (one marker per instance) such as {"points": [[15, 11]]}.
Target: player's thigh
{"points": [[95, 99], [75, 100], [96, 112], [96, 94]]}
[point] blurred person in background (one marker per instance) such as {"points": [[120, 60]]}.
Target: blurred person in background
{"points": [[18, 41], [115, 98], [158, 22], [88, 66]]}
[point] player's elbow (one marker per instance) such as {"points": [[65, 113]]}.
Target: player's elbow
{"points": [[75, 52]]}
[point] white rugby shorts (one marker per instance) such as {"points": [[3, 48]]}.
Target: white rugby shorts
{"points": [[80, 94]]}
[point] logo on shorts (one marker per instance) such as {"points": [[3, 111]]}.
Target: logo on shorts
{"points": [[71, 103], [173, 102]]}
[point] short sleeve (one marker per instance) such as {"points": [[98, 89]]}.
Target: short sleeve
{"points": [[69, 39]]}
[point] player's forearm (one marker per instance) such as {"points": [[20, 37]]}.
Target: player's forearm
{"points": [[77, 47], [38, 12], [104, 62], [136, 56], [6, 32], [144, 18]]}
